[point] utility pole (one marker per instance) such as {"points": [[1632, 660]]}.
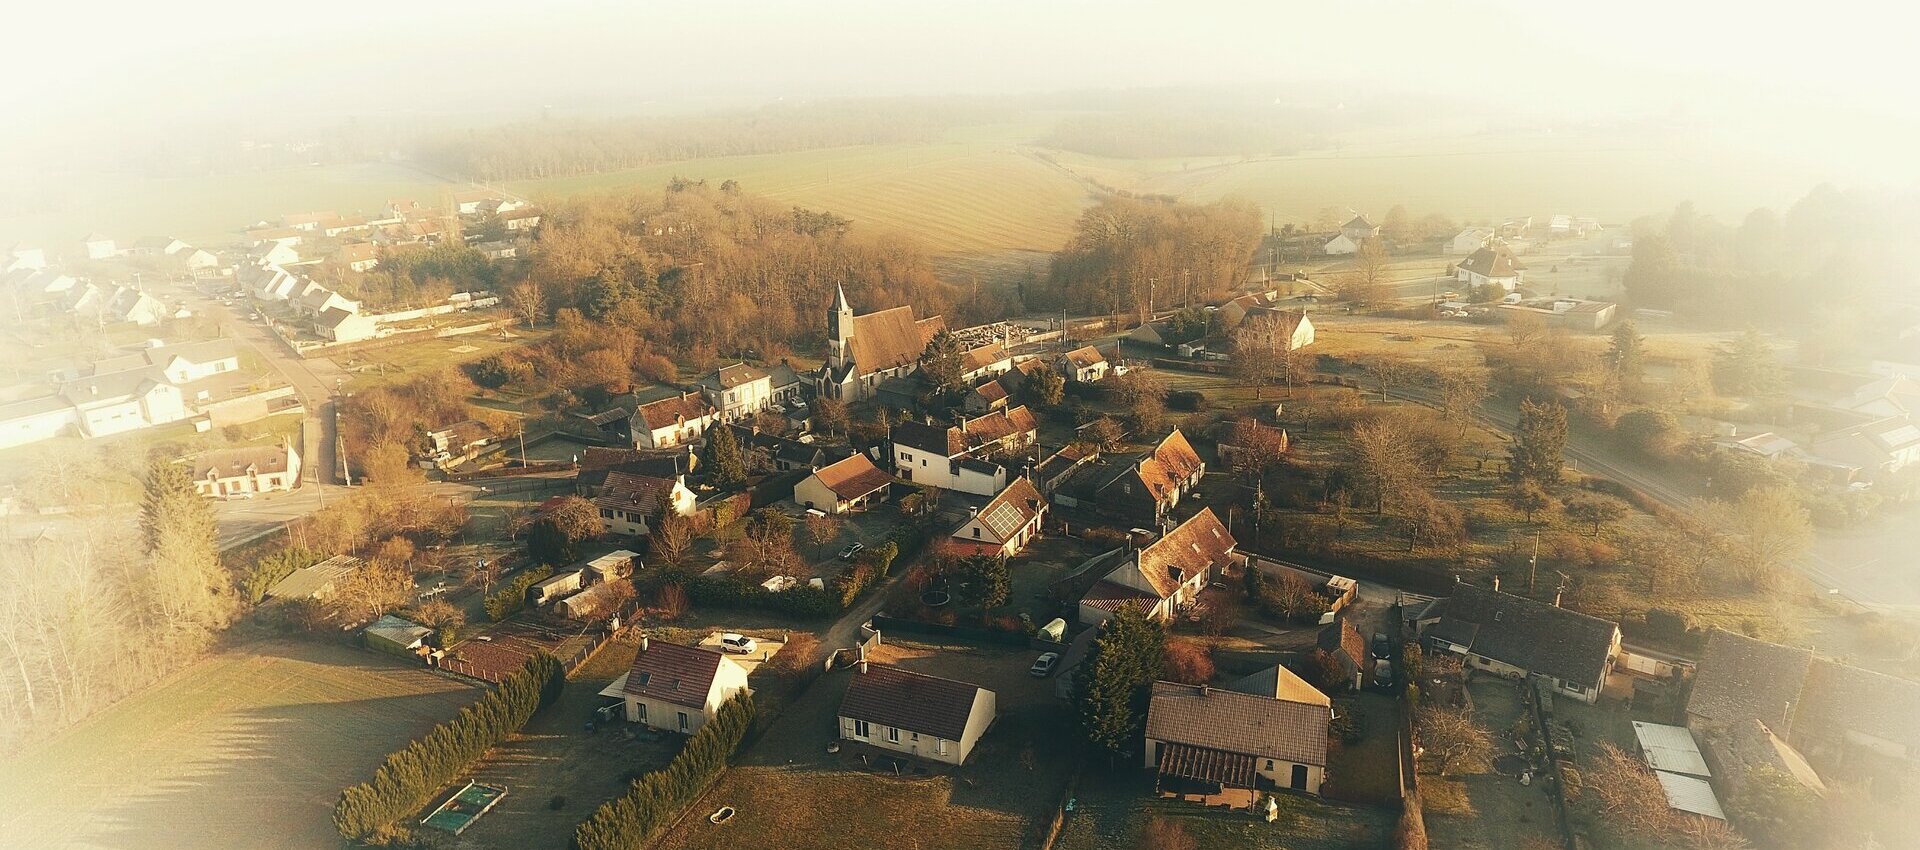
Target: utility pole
{"points": [[1186, 287], [1533, 563]]}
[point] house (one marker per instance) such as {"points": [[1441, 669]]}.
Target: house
{"points": [[1492, 265], [180, 363], [341, 325], [317, 581], [864, 350], [315, 300], [1229, 747], [342, 226], [498, 250], [471, 201], [460, 442], [118, 402], [289, 236], [994, 358], [1891, 395], [1341, 244], [913, 714], [1057, 467], [960, 457], [1359, 229], [629, 503], [1880, 447], [985, 398], [158, 246], [358, 256], [1765, 444], [1348, 647], [277, 253], [784, 385], [199, 259], [251, 469], [24, 256], [309, 221], [1163, 577], [737, 391], [1005, 524], [1823, 707], [1515, 228], [1084, 365], [519, 220], [404, 208], [1273, 327], [132, 306], [396, 636], [671, 421], [1517, 637], [845, 485], [1142, 490], [678, 688], [1468, 241], [100, 247]]}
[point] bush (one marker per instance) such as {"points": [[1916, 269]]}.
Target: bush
{"points": [[654, 801], [270, 569], [558, 802], [511, 596], [409, 778], [1186, 400], [729, 592]]}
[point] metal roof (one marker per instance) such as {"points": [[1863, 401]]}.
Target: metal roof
{"points": [[1670, 748], [1690, 794]]}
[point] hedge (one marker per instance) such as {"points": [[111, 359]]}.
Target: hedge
{"points": [[655, 800], [410, 777], [511, 596], [728, 592]]}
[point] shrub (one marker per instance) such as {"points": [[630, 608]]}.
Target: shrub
{"points": [[1187, 662], [410, 777], [1186, 400], [558, 802], [270, 569], [653, 801], [511, 596]]}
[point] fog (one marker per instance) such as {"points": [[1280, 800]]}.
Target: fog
{"points": [[1815, 88]]}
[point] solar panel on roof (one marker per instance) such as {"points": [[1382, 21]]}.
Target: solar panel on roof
{"points": [[1003, 518]]}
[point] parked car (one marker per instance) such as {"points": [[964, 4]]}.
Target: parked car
{"points": [[1382, 648], [1043, 666], [855, 549], [737, 643], [1382, 673]]}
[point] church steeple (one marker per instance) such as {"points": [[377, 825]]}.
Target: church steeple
{"points": [[840, 321]]}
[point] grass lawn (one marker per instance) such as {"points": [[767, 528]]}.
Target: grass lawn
{"points": [[1112, 807], [1488, 810], [250, 746], [1367, 771], [372, 367]]}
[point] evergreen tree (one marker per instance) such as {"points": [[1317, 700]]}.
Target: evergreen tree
{"points": [[981, 580], [1043, 387], [184, 583], [1746, 366], [556, 537], [1538, 448], [943, 363], [1627, 355], [724, 457], [1112, 686]]}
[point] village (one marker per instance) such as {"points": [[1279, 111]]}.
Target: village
{"points": [[1050, 581]]}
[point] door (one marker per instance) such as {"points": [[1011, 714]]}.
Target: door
{"points": [[683, 724], [1299, 782]]}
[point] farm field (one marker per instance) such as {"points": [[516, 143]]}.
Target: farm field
{"points": [[982, 197], [255, 741], [206, 210]]}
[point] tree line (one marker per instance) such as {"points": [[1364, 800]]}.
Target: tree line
{"points": [[1129, 253]]}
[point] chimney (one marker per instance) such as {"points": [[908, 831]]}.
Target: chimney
{"points": [[1556, 596], [863, 666], [643, 643], [1206, 690], [1496, 584]]}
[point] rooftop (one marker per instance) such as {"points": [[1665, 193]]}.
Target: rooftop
{"points": [[916, 702]]}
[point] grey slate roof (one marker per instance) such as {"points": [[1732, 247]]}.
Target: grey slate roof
{"points": [[1531, 635], [1235, 722]]}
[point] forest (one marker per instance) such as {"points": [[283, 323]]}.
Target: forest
{"points": [[1127, 253]]}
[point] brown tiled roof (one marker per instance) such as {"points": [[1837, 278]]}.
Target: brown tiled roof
{"points": [[1233, 722], [673, 410], [984, 356], [1740, 678], [890, 338], [930, 705], [1085, 356], [1191, 548], [1843, 698], [356, 251], [681, 675], [655, 462], [644, 494], [1113, 596], [853, 477], [1341, 637], [1015, 506], [1531, 635], [1233, 770], [1493, 261], [1000, 425], [228, 463], [991, 391], [1177, 455]]}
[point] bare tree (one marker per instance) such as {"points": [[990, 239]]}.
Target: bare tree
{"points": [[1453, 737], [1385, 458], [821, 530], [527, 301], [1627, 792], [671, 537]]}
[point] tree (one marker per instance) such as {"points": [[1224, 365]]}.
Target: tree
{"points": [[1654, 433], [184, 583], [1384, 457], [830, 415], [727, 464], [671, 537], [1260, 345], [943, 363], [1187, 662], [980, 581], [1388, 372], [1366, 283], [1043, 387], [442, 616], [526, 301], [1103, 434], [1258, 447], [1627, 793], [1626, 357], [1747, 366], [1595, 510], [1462, 390], [1540, 442], [1112, 685], [1767, 530], [821, 530], [373, 589], [1453, 737], [555, 538], [1529, 498]]}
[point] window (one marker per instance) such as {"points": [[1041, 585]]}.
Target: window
{"points": [[683, 720], [893, 734], [862, 729], [976, 532], [641, 711], [1269, 764], [916, 737]]}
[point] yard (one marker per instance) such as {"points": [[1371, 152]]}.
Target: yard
{"points": [[1113, 807], [1366, 771], [252, 744], [1489, 810], [792, 795], [381, 365]]}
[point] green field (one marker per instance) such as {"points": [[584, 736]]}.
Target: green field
{"points": [[249, 747], [208, 210]]}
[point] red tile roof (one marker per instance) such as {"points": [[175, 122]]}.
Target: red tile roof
{"points": [[916, 702], [673, 410], [681, 675], [853, 477], [1191, 548]]}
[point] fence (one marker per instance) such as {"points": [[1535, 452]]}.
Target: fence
{"points": [[895, 624], [534, 468]]}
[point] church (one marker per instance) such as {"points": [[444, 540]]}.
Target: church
{"points": [[864, 350]]}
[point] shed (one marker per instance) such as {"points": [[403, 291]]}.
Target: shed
{"points": [[1670, 748], [553, 588], [1690, 794], [396, 635]]}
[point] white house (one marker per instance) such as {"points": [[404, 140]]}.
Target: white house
{"points": [[677, 688], [1491, 265], [200, 259], [1358, 229], [960, 457], [1517, 637], [24, 256], [358, 256], [1084, 364], [124, 401], [342, 325], [100, 247], [737, 391], [1228, 747], [252, 469], [630, 502], [1165, 576], [1469, 240], [915, 715], [1005, 524], [1340, 244], [671, 421], [1880, 447]]}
